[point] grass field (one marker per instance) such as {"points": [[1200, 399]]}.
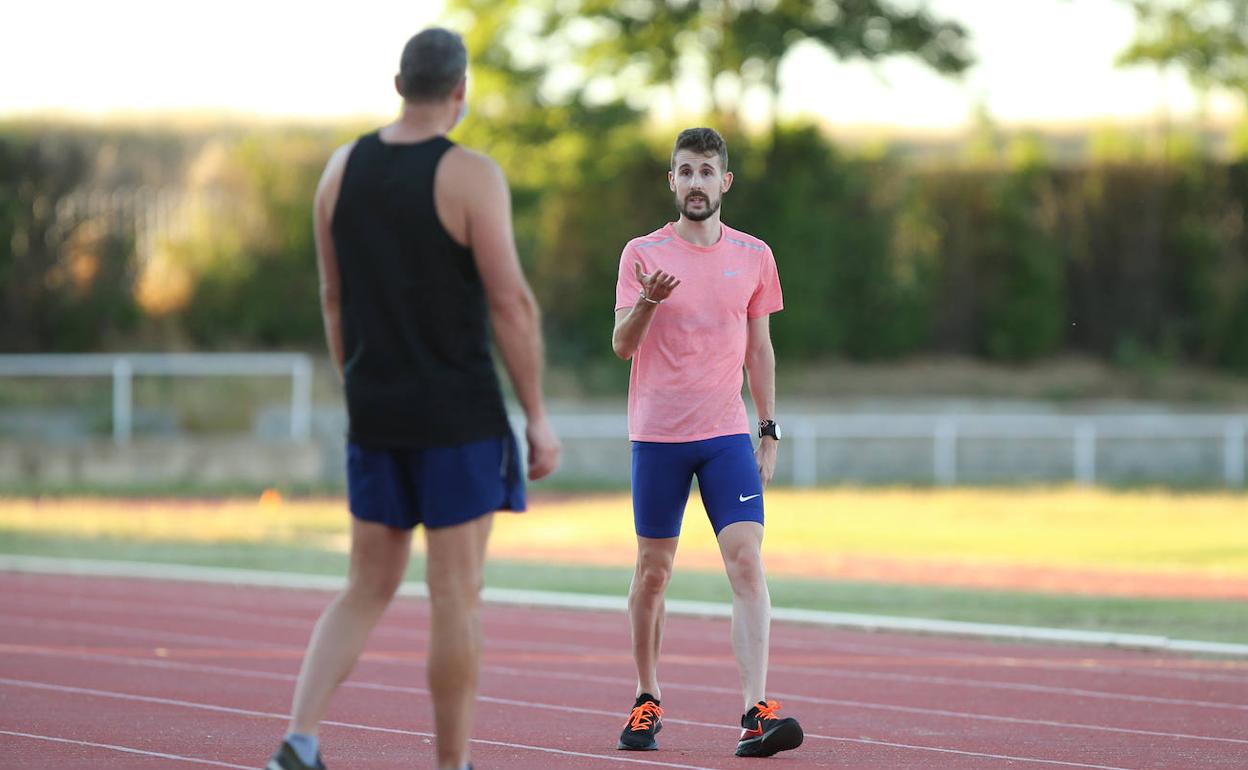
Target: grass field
{"points": [[584, 543]]}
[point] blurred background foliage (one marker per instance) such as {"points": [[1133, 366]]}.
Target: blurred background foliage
{"points": [[198, 235]]}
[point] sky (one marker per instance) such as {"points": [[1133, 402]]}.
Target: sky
{"points": [[1039, 62]]}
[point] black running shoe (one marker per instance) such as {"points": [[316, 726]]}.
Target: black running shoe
{"points": [[643, 724], [763, 733], [285, 758]]}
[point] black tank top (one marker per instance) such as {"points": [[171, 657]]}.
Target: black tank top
{"points": [[415, 320]]}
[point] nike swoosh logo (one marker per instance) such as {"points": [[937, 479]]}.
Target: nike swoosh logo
{"points": [[743, 498], [752, 733], [729, 273]]}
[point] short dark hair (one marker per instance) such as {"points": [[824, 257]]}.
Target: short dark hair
{"points": [[704, 141], [433, 63]]}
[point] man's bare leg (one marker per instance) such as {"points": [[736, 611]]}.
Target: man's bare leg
{"points": [[378, 561], [453, 572], [740, 544], [647, 608]]}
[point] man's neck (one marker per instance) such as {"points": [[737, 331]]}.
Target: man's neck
{"points": [[704, 233], [418, 122]]}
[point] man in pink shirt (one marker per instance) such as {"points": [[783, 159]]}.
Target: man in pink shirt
{"points": [[692, 308]]}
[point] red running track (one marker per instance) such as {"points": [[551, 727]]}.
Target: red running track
{"points": [[129, 673]]}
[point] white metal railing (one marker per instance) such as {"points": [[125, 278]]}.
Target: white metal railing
{"points": [[1082, 431], [802, 434], [1084, 434], [124, 367]]}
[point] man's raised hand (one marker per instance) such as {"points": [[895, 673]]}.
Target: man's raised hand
{"points": [[658, 285]]}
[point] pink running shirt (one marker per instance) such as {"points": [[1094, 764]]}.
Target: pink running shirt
{"points": [[686, 377]]}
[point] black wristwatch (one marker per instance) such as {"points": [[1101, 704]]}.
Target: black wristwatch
{"points": [[768, 428]]}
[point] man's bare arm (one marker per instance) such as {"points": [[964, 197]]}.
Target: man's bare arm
{"points": [[632, 323], [326, 257], [760, 367], [514, 312]]}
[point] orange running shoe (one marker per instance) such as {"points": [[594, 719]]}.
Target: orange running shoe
{"points": [[644, 722], [763, 733]]}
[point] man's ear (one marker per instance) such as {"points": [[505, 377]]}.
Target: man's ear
{"points": [[671, 181], [723, 187]]}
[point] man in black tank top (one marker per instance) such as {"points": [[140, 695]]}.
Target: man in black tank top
{"points": [[418, 264]]}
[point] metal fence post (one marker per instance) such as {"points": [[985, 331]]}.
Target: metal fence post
{"points": [[123, 413], [301, 399], [1085, 454], [805, 462], [945, 452], [1233, 453]]}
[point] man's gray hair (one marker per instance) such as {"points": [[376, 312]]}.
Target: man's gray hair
{"points": [[433, 63]]}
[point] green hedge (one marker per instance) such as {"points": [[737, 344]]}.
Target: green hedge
{"points": [[878, 259]]}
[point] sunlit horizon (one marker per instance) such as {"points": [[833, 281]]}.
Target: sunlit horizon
{"points": [[135, 61]]}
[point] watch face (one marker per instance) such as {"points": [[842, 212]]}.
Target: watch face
{"points": [[776, 428]]}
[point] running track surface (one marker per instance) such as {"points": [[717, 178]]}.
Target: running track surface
{"points": [[129, 673]]}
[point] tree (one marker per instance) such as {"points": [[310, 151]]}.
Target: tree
{"points": [[65, 279], [599, 52], [1208, 39], [560, 89]]}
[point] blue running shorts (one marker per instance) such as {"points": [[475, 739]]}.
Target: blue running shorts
{"points": [[727, 478], [437, 486]]}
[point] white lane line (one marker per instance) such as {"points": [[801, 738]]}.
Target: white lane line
{"points": [[984, 755], [506, 744], [622, 682], [12, 562], [1189, 669], [323, 583], [815, 669], [796, 697], [1009, 686], [252, 616], [350, 725], [1194, 670], [254, 674], [126, 749], [88, 627], [156, 638], [671, 661]]}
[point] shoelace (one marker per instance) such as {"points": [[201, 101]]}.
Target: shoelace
{"points": [[642, 716], [768, 710]]}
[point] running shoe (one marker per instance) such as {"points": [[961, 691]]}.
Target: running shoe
{"points": [[285, 758], [643, 724], [763, 733]]}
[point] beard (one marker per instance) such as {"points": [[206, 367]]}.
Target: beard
{"points": [[697, 216]]}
